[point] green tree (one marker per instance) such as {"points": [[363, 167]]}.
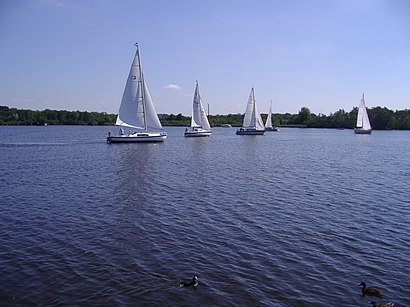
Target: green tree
{"points": [[304, 116]]}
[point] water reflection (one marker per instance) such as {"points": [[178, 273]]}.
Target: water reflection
{"points": [[135, 172]]}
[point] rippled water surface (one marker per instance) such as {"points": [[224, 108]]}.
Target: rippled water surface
{"points": [[293, 218]]}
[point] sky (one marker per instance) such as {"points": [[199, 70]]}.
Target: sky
{"points": [[320, 54]]}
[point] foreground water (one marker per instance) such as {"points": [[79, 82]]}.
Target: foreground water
{"points": [[294, 218]]}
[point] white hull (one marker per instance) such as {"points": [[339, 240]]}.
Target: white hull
{"points": [[197, 132], [138, 137]]}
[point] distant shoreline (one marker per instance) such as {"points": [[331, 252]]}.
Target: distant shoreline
{"points": [[380, 118]]}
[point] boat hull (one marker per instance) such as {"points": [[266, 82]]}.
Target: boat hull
{"points": [[197, 132], [244, 131], [362, 131], [138, 137], [272, 129]]}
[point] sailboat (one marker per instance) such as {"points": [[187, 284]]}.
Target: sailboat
{"points": [[268, 124], [199, 122], [252, 121], [137, 110], [363, 123]]}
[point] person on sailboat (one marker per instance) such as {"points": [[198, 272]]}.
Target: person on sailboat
{"points": [[122, 131]]}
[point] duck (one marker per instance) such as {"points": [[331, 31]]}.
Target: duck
{"points": [[374, 304], [193, 282], [370, 291]]}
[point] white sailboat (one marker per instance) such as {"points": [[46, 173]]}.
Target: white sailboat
{"points": [[199, 121], [363, 123], [137, 110], [252, 121], [268, 124]]}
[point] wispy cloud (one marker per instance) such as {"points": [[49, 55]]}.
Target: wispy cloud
{"points": [[60, 4], [173, 87], [52, 2], [21, 100]]}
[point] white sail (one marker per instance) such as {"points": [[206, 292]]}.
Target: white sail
{"points": [[363, 121], [199, 118], [151, 117], [129, 103], [268, 123], [252, 118], [137, 109]]}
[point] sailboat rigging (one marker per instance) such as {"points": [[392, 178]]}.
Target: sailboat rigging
{"points": [[199, 121], [252, 120], [137, 110], [363, 123]]}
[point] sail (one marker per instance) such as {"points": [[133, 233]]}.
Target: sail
{"points": [[151, 117], [269, 118], [137, 109], [252, 118], [258, 119], [130, 102], [199, 118], [363, 121]]}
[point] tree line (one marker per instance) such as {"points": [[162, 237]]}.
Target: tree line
{"points": [[380, 118], [12, 116]]}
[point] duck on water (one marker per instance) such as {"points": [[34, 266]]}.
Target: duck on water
{"points": [[370, 291], [193, 282], [374, 304]]}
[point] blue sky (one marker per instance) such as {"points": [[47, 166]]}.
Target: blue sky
{"points": [[320, 54]]}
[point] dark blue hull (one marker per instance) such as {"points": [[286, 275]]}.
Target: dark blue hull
{"points": [[361, 131], [243, 131]]}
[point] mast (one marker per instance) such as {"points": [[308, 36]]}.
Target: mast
{"points": [[200, 107], [254, 108], [141, 82]]}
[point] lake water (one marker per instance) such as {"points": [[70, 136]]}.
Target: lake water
{"points": [[294, 218]]}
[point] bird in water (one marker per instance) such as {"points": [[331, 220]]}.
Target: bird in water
{"points": [[374, 304], [193, 282], [370, 291]]}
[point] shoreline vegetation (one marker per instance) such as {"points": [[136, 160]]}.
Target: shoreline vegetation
{"points": [[381, 118]]}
